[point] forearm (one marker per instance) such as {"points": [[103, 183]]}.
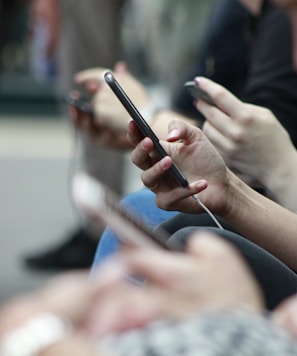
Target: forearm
{"points": [[262, 221], [282, 181]]}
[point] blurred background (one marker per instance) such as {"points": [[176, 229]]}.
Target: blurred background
{"points": [[39, 152]]}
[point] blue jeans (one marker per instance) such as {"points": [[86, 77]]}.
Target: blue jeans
{"points": [[143, 203]]}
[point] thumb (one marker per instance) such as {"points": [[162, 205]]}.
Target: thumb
{"points": [[208, 244], [179, 130]]}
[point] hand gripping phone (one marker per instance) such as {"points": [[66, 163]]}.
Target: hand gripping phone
{"points": [[198, 93], [143, 125], [101, 204]]}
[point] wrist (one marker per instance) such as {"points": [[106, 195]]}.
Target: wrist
{"points": [[281, 182], [234, 197], [149, 112]]}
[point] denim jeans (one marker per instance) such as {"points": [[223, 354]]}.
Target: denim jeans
{"points": [[143, 204]]}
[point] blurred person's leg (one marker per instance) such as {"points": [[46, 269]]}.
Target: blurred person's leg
{"points": [[89, 37]]}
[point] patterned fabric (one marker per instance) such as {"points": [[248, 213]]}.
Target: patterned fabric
{"points": [[227, 333]]}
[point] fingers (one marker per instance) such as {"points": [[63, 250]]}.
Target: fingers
{"points": [[153, 174], [140, 156], [165, 270], [220, 140], [285, 315], [179, 131], [133, 133], [120, 67], [92, 78], [208, 244], [225, 100], [123, 307], [168, 266], [83, 121], [96, 74], [219, 119]]}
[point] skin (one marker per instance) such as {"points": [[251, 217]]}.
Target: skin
{"points": [[167, 296], [111, 119], [250, 213], [251, 140], [112, 304]]}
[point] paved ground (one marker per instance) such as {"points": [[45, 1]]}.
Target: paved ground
{"points": [[35, 208], [37, 161]]}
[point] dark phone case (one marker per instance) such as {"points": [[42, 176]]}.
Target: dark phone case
{"points": [[80, 103], [198, 93], [142, 125]]}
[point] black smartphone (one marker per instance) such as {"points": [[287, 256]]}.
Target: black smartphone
{"points": [[101, 204], [198, 93], [143, 125], [80, 102]]}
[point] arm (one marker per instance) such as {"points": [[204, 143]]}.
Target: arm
{"points": [[252, 141], [111, 304], [110, 116], [251, 214]]}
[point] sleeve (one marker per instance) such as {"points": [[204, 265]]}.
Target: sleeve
{"points": [[272, 81], [223, 53]]}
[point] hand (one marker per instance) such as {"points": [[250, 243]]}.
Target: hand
{"points": [[70, 296], [176, 285], [249, 137], [198, 160], [109, 112], [252, 141], [211, 276], [101, 135], [285, 315]]}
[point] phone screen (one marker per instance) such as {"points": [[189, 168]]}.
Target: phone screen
{"points": [[142, 125], [101, 203]]}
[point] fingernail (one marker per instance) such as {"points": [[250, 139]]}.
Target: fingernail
{"points": [[165, 163], [110, 270], [173, 133], [144, 144], [201, 184], [197, 81]]}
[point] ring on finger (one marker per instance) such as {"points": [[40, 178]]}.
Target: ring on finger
{"points": [[154, 187]]}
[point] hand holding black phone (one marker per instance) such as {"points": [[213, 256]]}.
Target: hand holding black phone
{"points": [[142, 125], [80, 103]]}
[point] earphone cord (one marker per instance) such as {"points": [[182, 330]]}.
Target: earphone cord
{"points": [[196, 197]]}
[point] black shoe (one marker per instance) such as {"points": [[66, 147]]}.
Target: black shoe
{"points": [[75, 253]]}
